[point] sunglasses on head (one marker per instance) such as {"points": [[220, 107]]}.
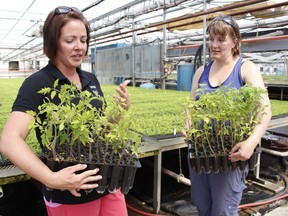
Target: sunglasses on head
{"points": [[65, 10], [228, 20]]}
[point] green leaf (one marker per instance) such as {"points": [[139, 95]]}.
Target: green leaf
{"points": [[53, 94], [56, 83]]}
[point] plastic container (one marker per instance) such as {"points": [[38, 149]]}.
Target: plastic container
{"points": [[185, 73], [147, 86]]}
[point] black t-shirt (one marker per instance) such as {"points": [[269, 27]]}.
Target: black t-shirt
{"points": [[28, 98]]}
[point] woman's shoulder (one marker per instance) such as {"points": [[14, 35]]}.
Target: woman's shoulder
{"points": [[250, 71], [198, 74], [36, 77], [200, 69], [39, 79], [243, 60], [247, 64]]}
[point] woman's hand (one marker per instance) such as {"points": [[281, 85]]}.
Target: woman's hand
{"points": [[123, 97], [184, 133], [68, 179], [241, 151]]}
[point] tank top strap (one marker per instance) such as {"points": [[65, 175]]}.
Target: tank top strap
{"points": [[235, 79]]}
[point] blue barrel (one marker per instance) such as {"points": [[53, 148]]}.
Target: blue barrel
{"points": [[185, 73], [119, 80]]}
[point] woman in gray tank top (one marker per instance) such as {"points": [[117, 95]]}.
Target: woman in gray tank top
{"points": [[220, 193]]}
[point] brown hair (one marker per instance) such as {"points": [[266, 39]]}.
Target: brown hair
{"points": [[225, 25], [52, 29]]}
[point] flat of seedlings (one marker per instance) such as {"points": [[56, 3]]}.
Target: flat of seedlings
{"points": [[10, 173]]}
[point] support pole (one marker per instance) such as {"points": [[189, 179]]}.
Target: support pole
{"points": [[204, 32], [133, 53], [164, 48], [157, 182]]}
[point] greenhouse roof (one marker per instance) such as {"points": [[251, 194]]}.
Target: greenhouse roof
{"points": [[118, 21]]}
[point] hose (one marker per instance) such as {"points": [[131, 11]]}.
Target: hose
{"points": [[141, 212], [262, 202], [282, 195]]}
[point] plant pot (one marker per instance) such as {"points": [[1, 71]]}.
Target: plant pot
{"points": [[102, 184], [128, 179], [243, 164], [252, 162], [196, 164], [215, 164], [234, 165], [224, 162], [206, 165], [115, 179], [117, 170], [219, 162], [254, 158], [114, 176]]}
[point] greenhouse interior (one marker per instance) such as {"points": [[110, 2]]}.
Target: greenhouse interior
{"points": [[157, 45]]}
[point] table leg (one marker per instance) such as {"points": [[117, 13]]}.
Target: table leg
{"points": [[157, 182]]}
